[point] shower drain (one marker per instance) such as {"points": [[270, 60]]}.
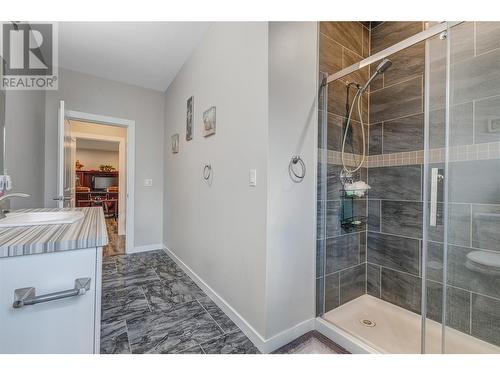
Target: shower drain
{"points": [[367, 322]]}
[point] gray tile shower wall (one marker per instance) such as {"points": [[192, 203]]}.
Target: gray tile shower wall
{"points": [[395, 252], [396, 101], [385, 259], [395, 205], [341, 253], [396, 183]]}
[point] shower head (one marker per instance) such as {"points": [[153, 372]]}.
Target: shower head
{"points": [[382, 67]]}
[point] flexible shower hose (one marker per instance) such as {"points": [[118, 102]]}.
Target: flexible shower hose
{"points": [[344, 167]]}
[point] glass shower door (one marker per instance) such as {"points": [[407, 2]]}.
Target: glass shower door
{"points": [[433, 199], [462, 180]]}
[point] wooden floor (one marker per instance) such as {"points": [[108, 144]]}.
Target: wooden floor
{"points": [[116, 245]]}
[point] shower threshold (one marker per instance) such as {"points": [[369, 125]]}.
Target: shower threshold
{"points": [[388, 328]]}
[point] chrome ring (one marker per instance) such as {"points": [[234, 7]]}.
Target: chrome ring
{"points": [[207, 172], [294, 161]]}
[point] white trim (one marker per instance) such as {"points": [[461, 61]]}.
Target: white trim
{"points": [[97, 302], [143, 248], [264, 345], [107, 120], [287, 336], [342, 338], [60, 154], [130, 125]]}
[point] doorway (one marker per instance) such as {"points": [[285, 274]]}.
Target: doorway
{"points": [[100, 176], [118, 202]]}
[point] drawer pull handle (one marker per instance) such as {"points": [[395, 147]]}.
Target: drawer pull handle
{"points": [[27, 296]]}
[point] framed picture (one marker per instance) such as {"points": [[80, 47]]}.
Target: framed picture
{"points": [[209, 122], [189, 118], [175, 143]]}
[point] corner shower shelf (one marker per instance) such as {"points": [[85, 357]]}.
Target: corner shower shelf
{"points": [[354, 222], [349, 220]]}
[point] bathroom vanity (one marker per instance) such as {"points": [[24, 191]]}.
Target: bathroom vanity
{"points": [[50, 281]]}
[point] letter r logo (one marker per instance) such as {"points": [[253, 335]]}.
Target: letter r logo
{"points": [[27, 49]]}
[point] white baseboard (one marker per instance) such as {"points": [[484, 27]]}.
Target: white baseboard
{"points": [[140, 249], [284, 337], [264, 345]]}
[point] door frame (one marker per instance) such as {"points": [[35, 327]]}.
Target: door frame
{"points": [[130, 145]]}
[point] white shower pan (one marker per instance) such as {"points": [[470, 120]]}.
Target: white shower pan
{"points": [[376, 326]]}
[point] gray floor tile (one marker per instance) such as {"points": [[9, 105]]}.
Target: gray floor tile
{"points": [[136, 278], [232, 343], [169, 271], [194, 350], [123, 303], [172, 331], [165, 295], [149, 305], [114, 338], [217, 314]]}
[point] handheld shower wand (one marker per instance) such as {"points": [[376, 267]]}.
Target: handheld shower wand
{"points": [[382, 67], [346, 171]]}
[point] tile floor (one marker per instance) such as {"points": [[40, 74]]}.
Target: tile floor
{"points": [[149, 305]]}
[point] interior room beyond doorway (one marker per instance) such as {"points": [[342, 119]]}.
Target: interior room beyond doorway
{"points": [[100, 176]]}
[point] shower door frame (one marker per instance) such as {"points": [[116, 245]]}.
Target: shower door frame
{"points": [[432, 31]]}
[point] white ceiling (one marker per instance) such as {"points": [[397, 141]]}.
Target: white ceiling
{"points": [[95, 144], [146, 54]]}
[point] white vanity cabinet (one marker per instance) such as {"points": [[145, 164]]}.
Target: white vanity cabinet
{"points": [[64, 325]]}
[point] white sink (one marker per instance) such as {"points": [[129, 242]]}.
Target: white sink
{"points": [[24, 219]]}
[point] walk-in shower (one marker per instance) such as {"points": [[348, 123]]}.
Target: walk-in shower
{"points": [[357, 188], [412, 110]]}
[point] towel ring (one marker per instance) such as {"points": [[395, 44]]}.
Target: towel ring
{"points": [[207, 171], [297, 177]]}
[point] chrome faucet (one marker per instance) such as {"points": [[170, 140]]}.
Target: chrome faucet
{"points": [[10, 195]]}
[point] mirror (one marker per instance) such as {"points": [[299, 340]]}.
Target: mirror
{"points": [[2, 129]]}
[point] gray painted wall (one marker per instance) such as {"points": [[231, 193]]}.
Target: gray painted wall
{"points": [[254, 246], [219, 230], [95, 95], [291, 227], [24, 148]]}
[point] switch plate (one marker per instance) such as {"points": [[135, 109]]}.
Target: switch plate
{"points": [[148, 182], [252, 178]]}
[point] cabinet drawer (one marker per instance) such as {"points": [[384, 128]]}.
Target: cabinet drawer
{"points": [[60, 326]]}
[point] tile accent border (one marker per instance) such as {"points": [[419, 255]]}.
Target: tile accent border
{"points": [[480, 151]]}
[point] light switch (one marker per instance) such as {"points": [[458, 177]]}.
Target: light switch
{"points": [[252, 180], [148, 182]]}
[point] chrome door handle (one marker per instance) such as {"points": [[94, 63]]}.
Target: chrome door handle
{"points": [[435, 179], [27, 296], [434, 185]]}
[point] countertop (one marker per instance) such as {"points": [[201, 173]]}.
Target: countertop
{"points": [[39, 239]]}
